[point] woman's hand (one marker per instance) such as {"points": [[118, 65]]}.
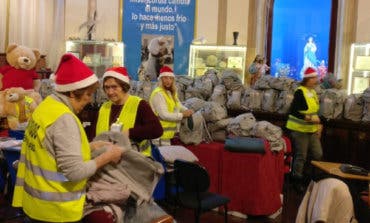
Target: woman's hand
{"points": [[115, 152], [319, 130], [112, 154], [187, 113], [315, 119], [312, 118]]}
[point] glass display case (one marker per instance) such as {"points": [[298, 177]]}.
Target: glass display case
{"points": [[98, 55], [204, 57], [359, 69]]}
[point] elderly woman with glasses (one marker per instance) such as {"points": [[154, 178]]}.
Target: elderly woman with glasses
{"points": [[127, 113]]}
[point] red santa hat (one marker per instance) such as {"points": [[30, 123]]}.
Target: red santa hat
{"points": [[310, 72], [118, 72], [166, 72], [73, 74]]}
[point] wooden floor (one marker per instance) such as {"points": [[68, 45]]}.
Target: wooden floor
{"points": [[288, 214]]}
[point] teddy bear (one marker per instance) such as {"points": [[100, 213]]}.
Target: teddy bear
{"points": [[20, 71], [17, 105]]}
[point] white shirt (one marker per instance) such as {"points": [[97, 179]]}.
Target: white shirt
{"points": [[159, 106]]}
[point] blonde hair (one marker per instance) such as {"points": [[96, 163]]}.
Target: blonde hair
{"points": [[173, 88]]}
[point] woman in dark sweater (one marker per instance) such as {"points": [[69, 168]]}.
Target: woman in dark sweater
{"points": [[129, 114], [305, 127]]}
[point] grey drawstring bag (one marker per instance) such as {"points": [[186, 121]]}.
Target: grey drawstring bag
{"points": [[194, 103], [192, 92], [144, 89], [242, 125], [221, 124], [283, 101], [269, 98], [234, 100], [252, 100], [353, 107], [204, 86], [213, 111], [194, 131], [332, 103], [219, 94]]}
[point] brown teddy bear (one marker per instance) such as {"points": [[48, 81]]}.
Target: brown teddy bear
{"points": [[17, 105], [21, 69]]}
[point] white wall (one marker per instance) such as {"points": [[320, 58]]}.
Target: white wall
{"points": [[206, 20], [108, 19], [363, 21], [237, 20], [3, 8]]}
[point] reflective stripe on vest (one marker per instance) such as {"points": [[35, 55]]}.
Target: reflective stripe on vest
{"points": [[300, 125], [169, 127], [127, 117], [43, 192], [47, 174], [53, 196]]}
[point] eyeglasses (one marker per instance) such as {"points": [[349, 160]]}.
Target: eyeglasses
{"points": [[113, 87]]}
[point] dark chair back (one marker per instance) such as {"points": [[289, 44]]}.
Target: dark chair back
{"points": [[192, 183], [191, 177]]}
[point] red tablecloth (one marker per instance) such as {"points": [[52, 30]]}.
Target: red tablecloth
{"points": [[252, 181]]}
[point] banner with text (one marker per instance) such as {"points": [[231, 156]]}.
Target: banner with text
{"points": [[157, 33]]}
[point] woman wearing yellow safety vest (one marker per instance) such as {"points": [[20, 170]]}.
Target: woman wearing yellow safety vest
{"points": [[167, 106], [127, 113], [55, 158], [305, 127]]}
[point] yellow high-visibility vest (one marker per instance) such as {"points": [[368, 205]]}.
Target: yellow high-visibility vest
{"points": [[300, 125], [169, 127], [127, 117], [42, 191]]}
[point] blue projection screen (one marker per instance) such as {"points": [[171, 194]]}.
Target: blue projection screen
{"points": [[300, 37]]}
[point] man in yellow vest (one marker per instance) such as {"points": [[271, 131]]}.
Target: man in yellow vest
{"points": [[167, 106], [55, 158], [305, 127], [127, 113]]}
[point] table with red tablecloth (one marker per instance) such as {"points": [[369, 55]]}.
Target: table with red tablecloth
{"points": [[252, 181]]}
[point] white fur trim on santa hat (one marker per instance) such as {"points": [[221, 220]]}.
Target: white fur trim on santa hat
{"points": [[76, 85], [314, 74], [119, 76], [166, 74], [310, 72]]}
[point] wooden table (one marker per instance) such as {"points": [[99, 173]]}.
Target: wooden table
{"points": [[333, 168]]}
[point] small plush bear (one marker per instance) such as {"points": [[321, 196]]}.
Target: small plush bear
{"points": [[17, 105], [20, 71]]}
